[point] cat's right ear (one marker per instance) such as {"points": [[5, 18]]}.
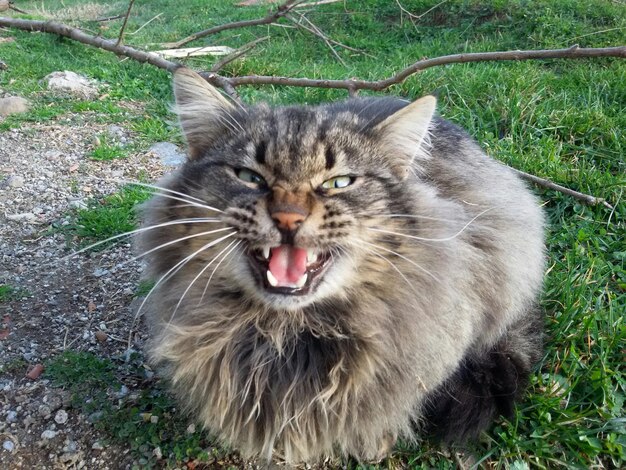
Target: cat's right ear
{"points": [[201, 109]]}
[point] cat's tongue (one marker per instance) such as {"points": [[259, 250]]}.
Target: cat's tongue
{"points": [[287, 264]]}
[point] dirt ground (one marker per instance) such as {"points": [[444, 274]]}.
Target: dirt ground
{"points": [[83, 302]]}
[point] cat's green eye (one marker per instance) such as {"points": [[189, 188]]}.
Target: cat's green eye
{"points": [[338, 182], [250, 176]]}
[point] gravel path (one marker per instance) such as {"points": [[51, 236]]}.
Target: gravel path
{"points": [[84, 303]]}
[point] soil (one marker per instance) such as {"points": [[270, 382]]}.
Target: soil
{"points": [[62, 302]]}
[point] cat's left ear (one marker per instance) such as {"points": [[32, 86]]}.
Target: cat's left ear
{"points": [[202, 110], [405, 136]]}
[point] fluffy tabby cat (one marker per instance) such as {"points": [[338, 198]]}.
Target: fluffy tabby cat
{"points": [[331, 278]]}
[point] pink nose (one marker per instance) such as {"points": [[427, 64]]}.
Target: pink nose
{"points": [[288, 220]]}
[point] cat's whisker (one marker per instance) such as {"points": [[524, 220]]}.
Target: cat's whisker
{"points": [[191, 203], [384, 258], [141, 230], [206, 287], [417, 216], [421, 268], [193, 281], [159, 188], [170, 273], [452, 237], [177, 240]]}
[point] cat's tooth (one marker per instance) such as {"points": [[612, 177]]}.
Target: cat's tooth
{"points": [[271, 279], [266, 252], [311, 256], [302, 281]]}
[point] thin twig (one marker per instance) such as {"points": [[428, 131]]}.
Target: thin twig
{"points": [[145, 24], [314, 29], [316, 32], [279, 12], [121, 36], [418, 17], [236, 54], [108, 18], [586, 198]]}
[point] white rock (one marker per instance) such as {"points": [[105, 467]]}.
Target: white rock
{"points": [[8, 446], [13, 105], [48, 434], [169, 153], [61, 417], [71, 82], [14, 181], [23, 217]]}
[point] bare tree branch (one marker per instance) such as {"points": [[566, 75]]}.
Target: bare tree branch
{"points": [[586, 198], [95, 41], [573, 52], [279, 12], [236, 54], [352, 85], [121, 36]]}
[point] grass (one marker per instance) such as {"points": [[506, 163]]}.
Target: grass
{"points": [[9, 293], [107, 217], [107, 150], [563, 120]]}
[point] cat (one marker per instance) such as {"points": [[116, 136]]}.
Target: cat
{"points": [[332, 278]]}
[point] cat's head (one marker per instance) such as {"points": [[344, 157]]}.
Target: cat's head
{"points": [[300, 185]]}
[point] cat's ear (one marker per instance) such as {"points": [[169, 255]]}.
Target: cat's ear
{"points": [[405, 136], [202, 110]]}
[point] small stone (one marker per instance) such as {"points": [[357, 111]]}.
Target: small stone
{"points": [[123, 391], [154, 419], [71, 82], [191, 428], [100, 272], [101, 336], [49, 434], [169, 153], [22, 217], [9, 446], [44, 411], [35, 372], [158, 453], [97, 446], [13, 105], [61, 417], [14, 181], [54, 401], [11, 416]]}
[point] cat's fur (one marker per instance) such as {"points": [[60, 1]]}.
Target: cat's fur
{"points": [[436, 333]]}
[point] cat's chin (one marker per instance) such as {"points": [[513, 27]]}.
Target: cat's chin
{"points": [[297, 290]]}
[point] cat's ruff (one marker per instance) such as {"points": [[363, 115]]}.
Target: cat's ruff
{"points": [[376, 276]]}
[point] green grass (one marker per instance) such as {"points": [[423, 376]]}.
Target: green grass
{"points": [[105, 149], [105, 218], [9, 293], [559, 119]]}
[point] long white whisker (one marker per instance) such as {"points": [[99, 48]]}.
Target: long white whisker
{"points": [[191, 203], [182, 297], [171, 272], [394, 267], [159, 188], [404, 258], [177, 240], [206, 287], [140, 230], [452, 237]]}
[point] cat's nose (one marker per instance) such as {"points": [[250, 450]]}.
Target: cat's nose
{"points": [[288, 220]]}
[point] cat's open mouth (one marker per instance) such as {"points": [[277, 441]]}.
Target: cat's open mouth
{"points": [[289, 270]]}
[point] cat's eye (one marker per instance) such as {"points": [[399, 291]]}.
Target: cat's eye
{"points": [[338, 182], [250, 176]]}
